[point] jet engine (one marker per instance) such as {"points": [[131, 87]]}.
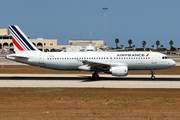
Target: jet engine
{"points": [[119, 71]]}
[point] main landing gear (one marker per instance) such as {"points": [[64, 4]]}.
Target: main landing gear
{"points": [[95, 76], [152, 73]]}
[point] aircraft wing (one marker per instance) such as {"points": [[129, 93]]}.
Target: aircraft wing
{"points": [[92, 63], [101, 65]]}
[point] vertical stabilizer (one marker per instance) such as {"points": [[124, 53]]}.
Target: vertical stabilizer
{"points": [[20, 40]]}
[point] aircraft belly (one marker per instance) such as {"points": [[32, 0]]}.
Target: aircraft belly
{"points": [[140, 66], [67, 67], [62, 65]]}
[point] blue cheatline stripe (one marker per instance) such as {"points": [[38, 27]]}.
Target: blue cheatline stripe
{"points": [[16, 36], [27, 43]]}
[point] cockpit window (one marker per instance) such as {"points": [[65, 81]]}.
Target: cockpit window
{"points": [[165, 57]]}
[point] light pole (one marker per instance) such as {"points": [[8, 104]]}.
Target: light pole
{"points": [[105, 25]]}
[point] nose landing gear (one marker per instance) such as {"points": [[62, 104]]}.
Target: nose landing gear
{"points": [[152, 73]]}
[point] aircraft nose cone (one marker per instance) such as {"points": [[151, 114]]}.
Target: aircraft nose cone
{"points": [[173, 63]]}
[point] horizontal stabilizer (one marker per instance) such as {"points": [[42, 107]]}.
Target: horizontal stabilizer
{"points": [[18, 56]]}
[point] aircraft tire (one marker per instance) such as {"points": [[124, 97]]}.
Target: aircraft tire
{"points": [[152, 77], [95, 76]]}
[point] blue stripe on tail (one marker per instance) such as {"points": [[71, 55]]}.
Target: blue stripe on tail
{"points": [[22, 43], [22, 37]]}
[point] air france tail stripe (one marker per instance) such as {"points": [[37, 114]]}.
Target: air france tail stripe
{"points": [[19, 39], [17, 45], [22, 37], [15, 31]]}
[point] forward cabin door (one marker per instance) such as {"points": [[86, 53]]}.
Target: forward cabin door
{"points": [[153, 59], [41, 59]]}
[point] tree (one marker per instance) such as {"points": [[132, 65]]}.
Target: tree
{"points": [[161, 46], [152, 46], [171, 43], [122, 46], [144, 43], [129, 42], [157, 43], [117, 41], [133, 46]]}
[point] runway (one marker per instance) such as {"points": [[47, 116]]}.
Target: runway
{"points": [[85, 81]]}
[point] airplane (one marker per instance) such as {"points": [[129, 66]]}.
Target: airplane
{"points": [[114, 63], [90, 47]]}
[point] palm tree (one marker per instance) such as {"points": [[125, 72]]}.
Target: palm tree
{"points": [[161, 46], [171, 43], [122, 46], [117, 41], [157, 43], [134, 46], [129, 42], [144, 43]]}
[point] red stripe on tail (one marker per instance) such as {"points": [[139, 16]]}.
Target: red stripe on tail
{"points": [[17, 44]]}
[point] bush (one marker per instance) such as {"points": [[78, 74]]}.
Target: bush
{"points": [[139, 49]]}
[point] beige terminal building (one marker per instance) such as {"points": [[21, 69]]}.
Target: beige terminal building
{"points": [[48, 45]]}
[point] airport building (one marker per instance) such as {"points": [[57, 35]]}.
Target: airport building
{"points": [[48, 45], [42, 44], [98, 44], [84, 43]]}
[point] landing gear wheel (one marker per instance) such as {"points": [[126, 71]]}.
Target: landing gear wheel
{"points": [[95, 76], [152, 77]]}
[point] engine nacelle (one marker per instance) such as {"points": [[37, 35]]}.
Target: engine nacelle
{"points": [[119, 71]]}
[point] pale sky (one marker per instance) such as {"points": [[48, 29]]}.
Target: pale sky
{"points": [[139, 20]]}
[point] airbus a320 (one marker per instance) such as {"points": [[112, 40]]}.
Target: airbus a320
{"points": [[115, 63]]}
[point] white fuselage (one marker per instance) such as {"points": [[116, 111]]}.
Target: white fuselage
{"points": [[73, 60]]}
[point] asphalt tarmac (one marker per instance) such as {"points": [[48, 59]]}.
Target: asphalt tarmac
{"points": [[86, 81]]}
